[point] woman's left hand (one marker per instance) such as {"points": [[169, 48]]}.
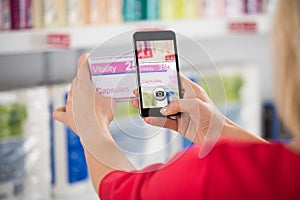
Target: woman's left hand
{"points": [[104, 106]]}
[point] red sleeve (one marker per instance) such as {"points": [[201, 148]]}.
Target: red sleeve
{"points": [[158, 184], [230, 171]]}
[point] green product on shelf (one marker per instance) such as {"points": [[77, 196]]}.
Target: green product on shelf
{"points": [[12, 117], [4, 116], [4, 121], [232, 86], [12, 152]]}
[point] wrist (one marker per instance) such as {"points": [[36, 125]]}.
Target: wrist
{"points": [[235, 132], [230, 129]]}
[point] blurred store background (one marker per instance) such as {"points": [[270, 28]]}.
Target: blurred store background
{"points": [[40, 42]]}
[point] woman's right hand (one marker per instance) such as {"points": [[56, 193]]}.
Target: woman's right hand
{"points": [[200, 119], [199, 114]]}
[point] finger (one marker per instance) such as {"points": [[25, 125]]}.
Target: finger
{"points": [[136, 93], [193, 90], [83, 72], [135, 103], [189, 91], [60, 109], [70, 94], [162, 122], [60, 114], [81, 60], [185, 82], [181, 105]]}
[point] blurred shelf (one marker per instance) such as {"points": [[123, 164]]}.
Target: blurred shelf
{"points": [[35, 40]]}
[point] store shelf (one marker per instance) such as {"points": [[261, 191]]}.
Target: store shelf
{"points": [[30, 41]]}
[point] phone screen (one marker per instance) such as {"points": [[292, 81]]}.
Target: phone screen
{"points": [[158, 73]]}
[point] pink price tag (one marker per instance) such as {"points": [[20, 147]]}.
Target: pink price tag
{"points": [[59, 40], [243, 27], [145, 53], [170, 57]]}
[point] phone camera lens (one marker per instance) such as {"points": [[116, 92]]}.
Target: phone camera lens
{"points": [[159, 94]]}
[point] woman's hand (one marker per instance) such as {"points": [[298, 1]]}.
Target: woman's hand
{"points": [[198, 113], [200, 119], [89, 114], [104, 106]]}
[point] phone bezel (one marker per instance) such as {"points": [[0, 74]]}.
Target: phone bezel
{"points": [[151, 36]]}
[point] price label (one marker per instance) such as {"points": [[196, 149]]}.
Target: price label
{"points": [[243, 27], [170, 57], [145, 53], [59, 40], [130, 66]]}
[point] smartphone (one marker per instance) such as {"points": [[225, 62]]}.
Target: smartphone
{"points": [[157, 70]]}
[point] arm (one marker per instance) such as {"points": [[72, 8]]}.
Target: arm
{"points": [[91, 122], [97, 170], [235, 132]]}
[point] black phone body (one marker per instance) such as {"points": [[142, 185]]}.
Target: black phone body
{"points": [[157, 69]]}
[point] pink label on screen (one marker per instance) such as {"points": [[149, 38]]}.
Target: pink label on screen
{"points": [[154, 68]]}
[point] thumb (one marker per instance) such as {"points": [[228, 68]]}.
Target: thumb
{"points": [[162, 122], [83, 72], [60, 114], [181, 105]]}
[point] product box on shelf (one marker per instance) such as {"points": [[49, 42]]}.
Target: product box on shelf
{"points": [[84, 6], [114, 76], [114, 11], [191, 8], [4, 15], [38, 13], [235, 8], [132, 10], [273, 127], [169, 9], [69, 172], [97, 11], [55, 13], [75, 12], [150, 9], [254, 6], [20, 13], [24, 144]]}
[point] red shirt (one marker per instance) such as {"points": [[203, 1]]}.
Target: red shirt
{"points": [[232, 170]]}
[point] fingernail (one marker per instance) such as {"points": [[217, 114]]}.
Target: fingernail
{"points": [[163, 110], [148, 120]]}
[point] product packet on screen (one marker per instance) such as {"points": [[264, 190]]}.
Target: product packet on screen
{"points": [[114, 76]]}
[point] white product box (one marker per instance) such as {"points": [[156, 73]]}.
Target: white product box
{"points": [[114, 76]]}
